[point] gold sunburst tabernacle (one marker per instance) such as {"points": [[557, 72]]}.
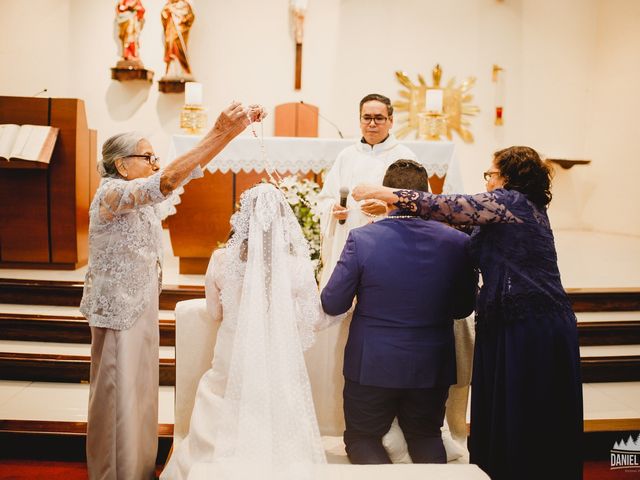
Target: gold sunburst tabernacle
{"points": [[456, 104]]}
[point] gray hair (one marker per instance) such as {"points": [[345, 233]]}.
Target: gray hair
{"points": [[116, 147]]}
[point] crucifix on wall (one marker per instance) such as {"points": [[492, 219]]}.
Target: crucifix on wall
{"points": [[298, 10]]}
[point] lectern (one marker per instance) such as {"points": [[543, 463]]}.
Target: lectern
{"points": [[44, 212]]}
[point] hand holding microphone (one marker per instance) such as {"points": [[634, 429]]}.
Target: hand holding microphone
{"points": [[340, 210]]}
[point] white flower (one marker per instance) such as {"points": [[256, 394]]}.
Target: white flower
{"points": [[302, 195]]}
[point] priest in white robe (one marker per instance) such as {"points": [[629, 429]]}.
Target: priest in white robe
{"points": [[364, 162]]}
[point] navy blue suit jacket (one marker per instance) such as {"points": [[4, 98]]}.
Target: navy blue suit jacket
{"points": [[411, 277]]}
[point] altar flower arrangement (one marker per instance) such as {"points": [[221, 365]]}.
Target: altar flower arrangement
{"points": [[302, 195]]}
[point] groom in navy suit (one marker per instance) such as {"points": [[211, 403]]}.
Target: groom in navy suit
{"points": [[412, 278]]}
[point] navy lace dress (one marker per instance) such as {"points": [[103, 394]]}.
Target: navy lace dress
{"points": [[526, 393]]}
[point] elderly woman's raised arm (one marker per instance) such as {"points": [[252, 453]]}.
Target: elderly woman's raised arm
{"points": [[231, 122]]}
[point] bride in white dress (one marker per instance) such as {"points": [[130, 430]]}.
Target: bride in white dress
{"points": [[254, 415]]}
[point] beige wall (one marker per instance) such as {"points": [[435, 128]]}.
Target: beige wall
{"points": [[612, 136], [570, 67]]}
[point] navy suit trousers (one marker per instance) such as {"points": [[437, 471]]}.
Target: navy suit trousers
{"points": [[369, 412]]}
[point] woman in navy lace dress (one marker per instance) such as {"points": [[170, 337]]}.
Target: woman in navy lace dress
{"points": [[526, 394]]}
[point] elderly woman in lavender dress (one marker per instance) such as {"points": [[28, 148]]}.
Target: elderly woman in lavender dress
{"points": [[526, 392], [121, 289]]}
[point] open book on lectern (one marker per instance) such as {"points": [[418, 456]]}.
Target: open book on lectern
{"points": [[32, 143]]}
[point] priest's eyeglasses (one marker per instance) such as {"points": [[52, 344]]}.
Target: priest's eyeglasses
{"points": [[487, 175], [151, 159], [378, 119]]}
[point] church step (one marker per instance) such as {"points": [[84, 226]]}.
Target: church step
{"points": [[62, 428], [611, 405], [604, 300], [55, 292], [609, 333], [610, 369], [42, 367], [58, 348], [74, 329], [31, 428], [51, 292], [55, 328]]}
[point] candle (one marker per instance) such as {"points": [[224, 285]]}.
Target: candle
{"points": [[193, 93], [434, 100]]}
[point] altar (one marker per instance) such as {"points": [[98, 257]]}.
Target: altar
{"points": [[202, 218]]}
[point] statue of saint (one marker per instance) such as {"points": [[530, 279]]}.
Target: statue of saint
{"points": [[130, 20], [177, 18]]}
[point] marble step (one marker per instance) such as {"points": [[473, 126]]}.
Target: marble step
{"points": [[65, 324], [607, 407], [63, 368], [69, 293], [58, 328], [69, 363]]}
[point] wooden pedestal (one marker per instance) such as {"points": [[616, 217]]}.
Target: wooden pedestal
{"points": [[172, 85], [126, 74]]}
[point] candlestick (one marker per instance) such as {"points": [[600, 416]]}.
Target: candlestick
{"points": [[431, 126], [193, 93]]}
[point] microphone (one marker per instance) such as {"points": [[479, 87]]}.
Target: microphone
{"points": [[41, 91], [344, 193], [326, 120]]}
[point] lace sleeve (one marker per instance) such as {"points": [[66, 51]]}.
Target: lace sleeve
{"points": [[168, 206], [211, 286], [122, 196], [479, 209]]}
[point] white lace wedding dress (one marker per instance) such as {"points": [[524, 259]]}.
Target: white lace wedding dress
{"points": [[254, 415]]}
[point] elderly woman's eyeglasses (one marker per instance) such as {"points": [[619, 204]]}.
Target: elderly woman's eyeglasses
{"points": [[487, 175], [151, 159], [378, 119]]}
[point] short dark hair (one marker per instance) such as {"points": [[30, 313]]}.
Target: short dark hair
{"points": [[406, 174], [523, 170], [379, 98]]}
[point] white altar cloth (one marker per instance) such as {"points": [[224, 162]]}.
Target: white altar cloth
{"points": [[303, 154]]}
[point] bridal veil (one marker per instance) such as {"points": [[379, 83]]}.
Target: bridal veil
{"points": [[268, 423]]}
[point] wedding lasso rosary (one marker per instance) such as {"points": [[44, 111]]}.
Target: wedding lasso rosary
{"points": [[274, 178]]}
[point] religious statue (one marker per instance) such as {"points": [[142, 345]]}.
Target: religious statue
{"points": [[129, 22], [177, 18], [130, 19]]}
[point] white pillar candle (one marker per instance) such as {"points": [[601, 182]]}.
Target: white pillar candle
{"points": [[434, 100], [193, 93]]}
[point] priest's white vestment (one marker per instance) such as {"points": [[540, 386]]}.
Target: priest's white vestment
{"points": [[358, 163]]}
